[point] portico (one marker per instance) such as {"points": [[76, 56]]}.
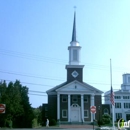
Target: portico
{"points": [[78, 109], [77, 99]]}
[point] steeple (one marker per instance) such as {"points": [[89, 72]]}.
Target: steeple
{"points": [[74, 48], [74, 69], [74, 29]]}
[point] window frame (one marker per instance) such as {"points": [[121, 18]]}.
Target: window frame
{"points": [[118, 115], [75, 54], [64, 97], [74, 97], [126, 97], [129, 79], [117, 97], [87, 114], [117, 105], [64, 110], [85, 97], [127, 105]]}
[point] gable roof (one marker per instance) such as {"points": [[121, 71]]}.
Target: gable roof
{"points": [[64, 85], [56, 87]]}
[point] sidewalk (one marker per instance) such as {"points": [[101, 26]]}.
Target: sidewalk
{"points": [[78, 126], [72, 126]]}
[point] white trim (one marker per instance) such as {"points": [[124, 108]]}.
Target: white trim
{"points": [[64, 110], [89, 88], [74, 66], [92, 104], [76, 93], [50, 90], [58, 106], [69, 108], [82, 108]]}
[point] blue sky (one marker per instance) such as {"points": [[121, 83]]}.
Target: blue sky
{"points": [[35, 35]]}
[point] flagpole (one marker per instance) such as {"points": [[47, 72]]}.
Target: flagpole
{"points": [[112, 104]]}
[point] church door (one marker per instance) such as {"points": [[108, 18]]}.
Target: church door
{"points": [[75, 113]]}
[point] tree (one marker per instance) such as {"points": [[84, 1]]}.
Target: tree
{"points": [[37, 116], [18, 108]]}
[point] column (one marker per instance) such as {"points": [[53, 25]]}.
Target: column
{"points": [[82, 108], [92, 104], [58, 106], [68, 107]]}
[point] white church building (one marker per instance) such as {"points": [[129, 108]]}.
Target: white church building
{"points": [[122, 99]]}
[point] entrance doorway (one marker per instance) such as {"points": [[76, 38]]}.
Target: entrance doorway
{"points": [[75, 115]]}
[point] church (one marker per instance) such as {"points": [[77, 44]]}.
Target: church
{"points": [[71, 100]]}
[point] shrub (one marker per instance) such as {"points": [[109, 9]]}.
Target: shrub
{"points": [[53, 122], [106, 119]]}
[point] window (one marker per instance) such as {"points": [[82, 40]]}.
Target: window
{"points": [[75, 98], [64, 113], [107, 98], [126, 105], [75, 55], [85, 98], [126, 97], [105, 111], [85, 113], [118, 115], [128, 79], [117, 105], [117, 97], [64, 98]]}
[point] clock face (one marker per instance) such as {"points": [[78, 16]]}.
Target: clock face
{"points": [[74, 74]]}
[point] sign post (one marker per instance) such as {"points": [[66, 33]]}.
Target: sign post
{"points": [[93, 111]]}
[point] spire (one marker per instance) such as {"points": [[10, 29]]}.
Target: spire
{"points": [[74, 29]]}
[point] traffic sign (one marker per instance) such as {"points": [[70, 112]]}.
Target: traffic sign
{"points": [[2, 108], [93, 109]]}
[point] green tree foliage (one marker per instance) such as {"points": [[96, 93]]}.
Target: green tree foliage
{"points": [[18, 109], [106, 119], [37, 117]]}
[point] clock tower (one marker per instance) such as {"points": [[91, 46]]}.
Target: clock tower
{"points": [[74, 69]]}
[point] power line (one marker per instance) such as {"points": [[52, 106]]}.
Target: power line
{"points": [[36, 94], [28, 83], [55, 60], [29, 75], [36, 91], [42, 85], [53, 86], [45, 77]]}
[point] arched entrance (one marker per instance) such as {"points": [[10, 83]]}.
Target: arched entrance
{"points": [[75, 113]]}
